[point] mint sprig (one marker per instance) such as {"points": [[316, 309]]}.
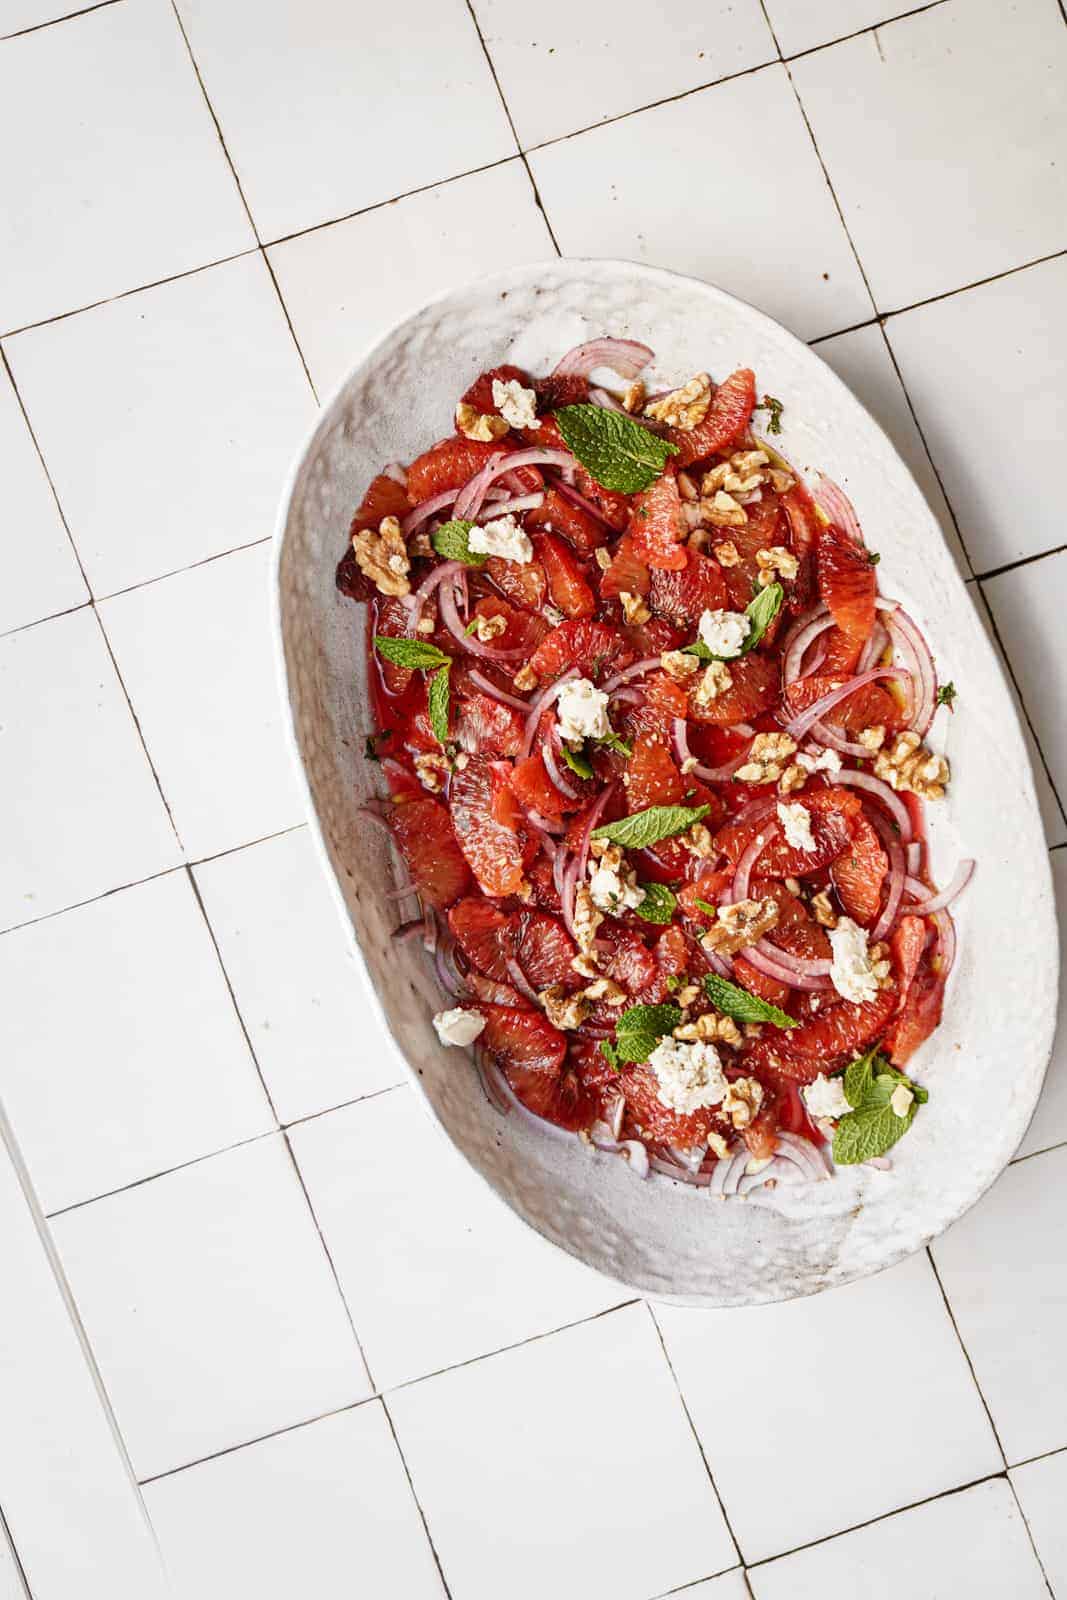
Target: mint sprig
{"points": [[872, 1126], [413, 653], [438, 701], [760, 612], [610, 1054], [774, 408], [613, 742], [578, 761], [642, 828], [640, 1029], [452, 540], [618, 452], [735, 1002], [658, 904]]}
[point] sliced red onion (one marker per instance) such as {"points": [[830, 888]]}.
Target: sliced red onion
{"points": [[909, 640], [670, 1169], [727, 1174], [913, 856], [427, 508], [467, 641], [638, 670], [960, 879], [566, 895], [569, 492], [723, 774], [520, 502], [873, 649], [799, 726], [595, 814], [520, 980], [782, 974], [407, 931], [801, 966], [779, 1169], [487, 686], [492, 1081], [692, 1160], [628, 696], [718, 963], [447, 974], [881, 791], [838, 507], [470, 497], [803, 634], [752, 854], [548, 756], [618, 1111], [433, 580], [946, 943], [811, 1158], [624, 356], [894, 892], [547, 828], [535, 708]]}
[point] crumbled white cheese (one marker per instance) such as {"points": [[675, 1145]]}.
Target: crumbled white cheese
{"points": [[614, 887], [517, 406], [724, 632], [851, 972], [813, 759], [901, 1099], [582, 712], [796, 824], [502, 538], [690, 1074], [458, 1026], [826, 1098]]}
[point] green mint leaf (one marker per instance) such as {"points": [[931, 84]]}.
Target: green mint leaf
{"points": [[647, 827], [761, 612], [472, 627], [658, 904], [673, 982], [873, 557], [872, 1127], [413, 653], [620, 454], [735, 1002], [613, 742], [452, 540], [640, 1029], [774, 408], [578, 761], [438, 700], [859, 1075], [699, 649], [610, 1054], [706, 906], [946, 695]]}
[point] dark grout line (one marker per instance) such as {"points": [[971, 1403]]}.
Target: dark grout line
{"points": [[259, 1438], [1043, 1455], [264, 838], [872, 27], [838, 333], [696, 1436], [1046, 1149], [53, 616], [165, 1172], [20, 1570], [1030, 1536], [418, 1503], [6, 366], [1023, 561], [176, 572], [694, 1583], [966, 1355], [140, 730], [1061, 846], [346, 1105], [978, 283], [69, 16]]}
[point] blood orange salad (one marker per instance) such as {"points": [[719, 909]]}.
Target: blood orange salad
{"points": [[656, 760]]}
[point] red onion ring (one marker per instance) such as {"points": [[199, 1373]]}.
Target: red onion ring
{"points": [[802, 966], [894, 892], [909, 640], [535, 708], [520, 980], [608, 402], [548, 756], [670, 1169], [487, 686], [882, 792], [838, 507], [470, 497], [546, 829], [520, 502], [624, 356], [798, 727], [739, 887], [926, 907], [454, 623], [913, 856], [427, 508], [800, 636], [569, 492], [946, 943], [784, 974], [727, 1174], [636, 671], [873, 648], [723, 774], [596, 812], [568, 886], [810, 1158]]}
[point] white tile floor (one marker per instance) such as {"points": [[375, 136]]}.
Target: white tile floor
{"points": [[343, 1367]]}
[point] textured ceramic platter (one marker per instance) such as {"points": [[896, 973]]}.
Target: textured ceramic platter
{"points": [[985, 1064]]}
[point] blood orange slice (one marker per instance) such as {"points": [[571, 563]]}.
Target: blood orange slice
{"points": [[627, 574], [480, 393], [566, 585], [846, 582], [589, 646], [479, 930], [859, 873], [727, 418], [447, 466], [683, 594], [657, 528], [753, 691], [560, 515], [425, 837], [651, 777], [487, 820], [531, 1054]]}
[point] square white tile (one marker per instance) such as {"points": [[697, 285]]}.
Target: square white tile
{"points": [[628, 190], [80, 812], [861, 360], [39, 573], [426, 245], [1029, 606], [972, 1544], [144, 1065], [303, 1001], [1005, 1275], [373, 106], [168, 419], [210, 1305], [324, 1511], [805, 24], [969, 362], [531, 1465], [118, 178], [412, 1230], [930, 1434], [563, 67], [1049, 1126], [196, 656], [1042, 1490], [938, 132]]}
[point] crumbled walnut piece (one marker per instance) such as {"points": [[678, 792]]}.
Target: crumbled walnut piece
{"points": [[420, 545], [598, 848], [766, 755], [753, 1030], [822, 910], [634, 398], [746, 462], [490, 627], [474, 424], [686, 487], [585, 966], [776, 562], [872, 738], [606, 989], [427, 622], [711, 1028], [690, 764], [699, 539], [716, 681], [714, 479], [587, 919], [740, 925], [525, 679], [726, 553], [677, 665], [603, 559], [743, 1099], [718, 1146], [633, 607], [723, 511], [743, 473], [685, 407], [382, 556], [792, 779], [564, 1010], [880, 965], [908, 764], [687, 994], [781, 482], [431, 770], [698, 841], [792, 884]]}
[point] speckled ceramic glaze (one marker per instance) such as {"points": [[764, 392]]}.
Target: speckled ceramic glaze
{"points": [[983, 1067]]}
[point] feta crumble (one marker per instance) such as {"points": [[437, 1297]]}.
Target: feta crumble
{"points": [[901, 1099], [517, 406], [796, 825], [724, 632], [826, 1098], [851, 972], [690, 1075], [458, 1026], [502, 538], [815, 760], [582, 712], [612, 884]]}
